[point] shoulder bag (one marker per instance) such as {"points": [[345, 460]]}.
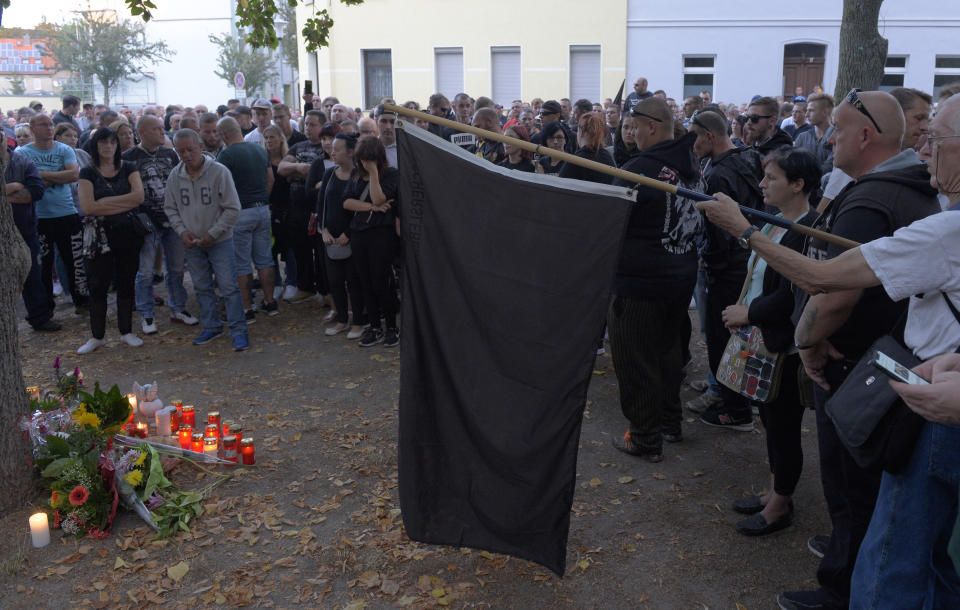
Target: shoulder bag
{"points": [[747, 366], [335, 251], [873, 423]]}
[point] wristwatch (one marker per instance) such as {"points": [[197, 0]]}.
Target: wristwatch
{"points": [[744, 239]]}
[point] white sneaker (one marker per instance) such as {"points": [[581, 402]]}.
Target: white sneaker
{"points": [[336, 330], [277, 292], [132, 340], [57, 288], [355, 334], [290, 291], [91, 345], [149, 326], [183, 317]]}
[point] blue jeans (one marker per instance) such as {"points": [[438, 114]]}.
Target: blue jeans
{"points": [[173, 257], [903, 561], [216, 261], [251, 239], [700, 296]]}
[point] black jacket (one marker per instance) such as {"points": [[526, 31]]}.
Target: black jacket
{"points": [[569, 170], [658, 260], [736, 173], [772, 309], [778, 139]]}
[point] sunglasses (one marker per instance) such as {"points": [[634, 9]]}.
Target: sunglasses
{"points": [[643, 114], [856, 102], [756, 118]]}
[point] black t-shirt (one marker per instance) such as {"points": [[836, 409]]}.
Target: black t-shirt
{"points": [[119, 228], [247, 163], [545, 163], [280, 194], [569, 170], [332, 189], [303, 152], [525, 165], [295, 138], [390, 183], [154, 170]]}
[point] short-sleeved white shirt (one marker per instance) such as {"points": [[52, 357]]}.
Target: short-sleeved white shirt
{"points": [[923, 258]]}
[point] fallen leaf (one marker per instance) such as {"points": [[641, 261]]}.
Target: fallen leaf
{"points": [[369, 579], [659, 476], [438, 593], [625, 480], [357, 604], [583, 564], [389, 587], [120, 563], [741, 606], [83, 550], [351, 386], [177, 572], [594, 482], [406, 600]]}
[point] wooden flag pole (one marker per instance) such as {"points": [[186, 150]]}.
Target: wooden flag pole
{"points": [[616, 172]]}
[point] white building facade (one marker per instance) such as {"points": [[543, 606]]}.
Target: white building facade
{"points": [[738, 50]]}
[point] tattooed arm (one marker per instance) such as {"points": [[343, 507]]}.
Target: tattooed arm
{"points": [[823, 315]]}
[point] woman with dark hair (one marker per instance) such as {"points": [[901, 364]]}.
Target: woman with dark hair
{"points": [[327, 133], [110, 190], [335, 221], [592, 137], [516, 157], [553, 136], [791, 176], [372, 193], [124, 134], [625, 144]]}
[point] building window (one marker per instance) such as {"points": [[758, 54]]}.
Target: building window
{"points": [[377, 76], [505, 74], [893, 72], [946, 71], [585, 72], [448, 68], [697, 74]]}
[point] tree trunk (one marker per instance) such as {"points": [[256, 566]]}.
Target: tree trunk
{"points": [[863, 51], [106, 92], [15, 471]]}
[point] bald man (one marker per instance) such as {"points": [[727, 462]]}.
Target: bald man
{"points": [[639, 92], [155, 162], [891, 189], [253, 177], [487, 119]]}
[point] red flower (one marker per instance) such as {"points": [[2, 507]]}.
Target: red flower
{"points": [[79, 495]]}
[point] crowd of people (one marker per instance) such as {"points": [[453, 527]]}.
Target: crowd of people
{"points": [[260, 198]]}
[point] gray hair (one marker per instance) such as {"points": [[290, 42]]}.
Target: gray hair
{"points": [[187, 134]]}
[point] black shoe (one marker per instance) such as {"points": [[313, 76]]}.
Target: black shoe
{"points": [[157, 278], [371, 337], [271, 308], [757, 525], [627, 446], [251, 316], [808, 600], [47, 327], [722, 419], [391, 338], [157, 301], [818, 545], [672, 437], [748, 506]]}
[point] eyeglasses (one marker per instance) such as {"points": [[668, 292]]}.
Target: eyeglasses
{"points": [[854, 100], [643, 114], [931, 140], [756, 118]]}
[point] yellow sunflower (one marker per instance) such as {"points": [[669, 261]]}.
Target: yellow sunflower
{"points": [[85, 418], [140, 460], [134, 477]]}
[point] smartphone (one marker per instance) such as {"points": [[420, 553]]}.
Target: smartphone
{"points": [[897, 371], [307, 86]]}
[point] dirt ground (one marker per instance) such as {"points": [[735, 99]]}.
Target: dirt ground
{"points": [[316, 523]]}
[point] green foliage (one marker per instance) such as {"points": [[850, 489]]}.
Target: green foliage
{"points": [[235, 56], [17, 85], [110, 49], [112, 408], [288, 43], [258, 16]]}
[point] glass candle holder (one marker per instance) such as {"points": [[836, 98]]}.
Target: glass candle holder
{"points": [[212, 430], [189, 416], [213, 417], [141, 430], [226, 427], [185, 435], [237, 431], [210, 446], [230, 448], [196, 442], [247, 451]]}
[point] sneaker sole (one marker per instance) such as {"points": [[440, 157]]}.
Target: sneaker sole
{"points": [[814, 550], [361, 344], [251, 321], [208, 340], [737, 427]]}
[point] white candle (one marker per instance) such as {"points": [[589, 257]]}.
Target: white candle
{"points": [[39, 530], [163, 421]]}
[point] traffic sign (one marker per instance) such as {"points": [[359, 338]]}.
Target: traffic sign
{"points": [[239, 81]]}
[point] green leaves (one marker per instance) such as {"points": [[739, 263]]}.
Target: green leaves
{"points": [[156, 478], [235, 56], [56, 467], [259, 16]]}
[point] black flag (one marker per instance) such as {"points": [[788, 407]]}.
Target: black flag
{"points": [[506, 283]]}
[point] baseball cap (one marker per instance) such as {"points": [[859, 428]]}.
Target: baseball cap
{"points": [[243, 110], [261, 103]]}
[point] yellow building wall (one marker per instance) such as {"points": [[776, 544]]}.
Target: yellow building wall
{"points": [[411, 29]]}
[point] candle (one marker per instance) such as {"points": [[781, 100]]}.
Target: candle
{"points": [[178, 404], [247, 451], [196, 442], [185, 432], [141, 430], [210, 446], [132, 398], [212, 430], [226, 427], [237, 431], [34, 392], [164, 421], [39, 530], [230, 448], [174, 419], [189, 416], [213, 418]]}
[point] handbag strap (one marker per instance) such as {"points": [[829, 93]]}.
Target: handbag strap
{"points": [[749, 278]]}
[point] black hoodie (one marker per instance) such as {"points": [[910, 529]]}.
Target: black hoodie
{"points": [[778, 139], [736, 173], [658, 261], [873, 206]]}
